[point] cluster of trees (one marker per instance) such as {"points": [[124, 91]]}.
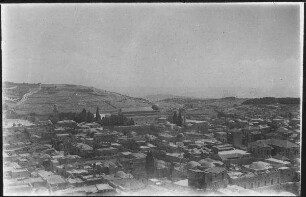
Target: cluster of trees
{"points": [[84, 116], [87, 116], [116, 120], [272, 100], [176, 118]]}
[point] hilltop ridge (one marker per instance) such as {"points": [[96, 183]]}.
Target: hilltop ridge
{"points": [[26, 98]]}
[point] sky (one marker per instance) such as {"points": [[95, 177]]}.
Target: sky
{"points": [[156, 48]]}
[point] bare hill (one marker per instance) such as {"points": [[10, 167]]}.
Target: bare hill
{"points": [[40, 98]]}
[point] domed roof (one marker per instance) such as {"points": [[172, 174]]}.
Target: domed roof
{"points": [[109, 164], [120, 174], [297, 160], [260, 165], [206, 164], [180, 135], [192, 164], [160, 165]]}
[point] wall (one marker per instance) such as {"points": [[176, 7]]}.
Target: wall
{"points": [[260, 180]]}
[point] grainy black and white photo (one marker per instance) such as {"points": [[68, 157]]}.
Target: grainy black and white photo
{"points": [[153, 99]]}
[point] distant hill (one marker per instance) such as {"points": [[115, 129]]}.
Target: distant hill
{"points": [[272, 100], [41, 98], [159, 97]]}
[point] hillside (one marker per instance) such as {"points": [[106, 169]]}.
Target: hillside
{"points": [[40, 98], [272, 100], [158, 97]]}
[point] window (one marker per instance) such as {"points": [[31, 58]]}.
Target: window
{"points": [[265, 183], [277, 180], [272, 182], [258, 184], [251, 185]]}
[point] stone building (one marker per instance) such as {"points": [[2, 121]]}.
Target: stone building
{"points": [[107, 153], [211, 178], [235, 156], [261, 174], [271, 147], [221, 136], [141, 115]]}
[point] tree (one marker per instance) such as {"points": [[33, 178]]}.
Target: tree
{"points": [[179, 119], [83, 116], [132, 122], [90, 117], [103, 121], [175, 117], [120, 119], [150, 164], [202, 154], [98, 116], [187, 155], [155, 107]]}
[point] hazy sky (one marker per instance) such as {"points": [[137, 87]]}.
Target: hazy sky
{"points": [[141, 45]]}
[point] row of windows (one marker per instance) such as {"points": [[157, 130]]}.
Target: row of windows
{"points": [[259, 185]]}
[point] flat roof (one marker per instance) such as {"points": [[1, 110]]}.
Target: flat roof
{"points": [[104, 187], [55, 179], [233, 152], [109, 148], [136, 109], [195, 121], [278, 161], [183, 182], [44, 173]]}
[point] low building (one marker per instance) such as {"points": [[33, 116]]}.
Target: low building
{"points": [[221, 136], [271, 147], [201, 126], [277, 163], [235, 156], [66, 123], [208, 179], [108, 153], [141, 115], [20, 173], [56, 182], [256, 175], [83, 150]]}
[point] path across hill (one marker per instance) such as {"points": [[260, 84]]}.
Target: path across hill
{"points": [[24, 98]]}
